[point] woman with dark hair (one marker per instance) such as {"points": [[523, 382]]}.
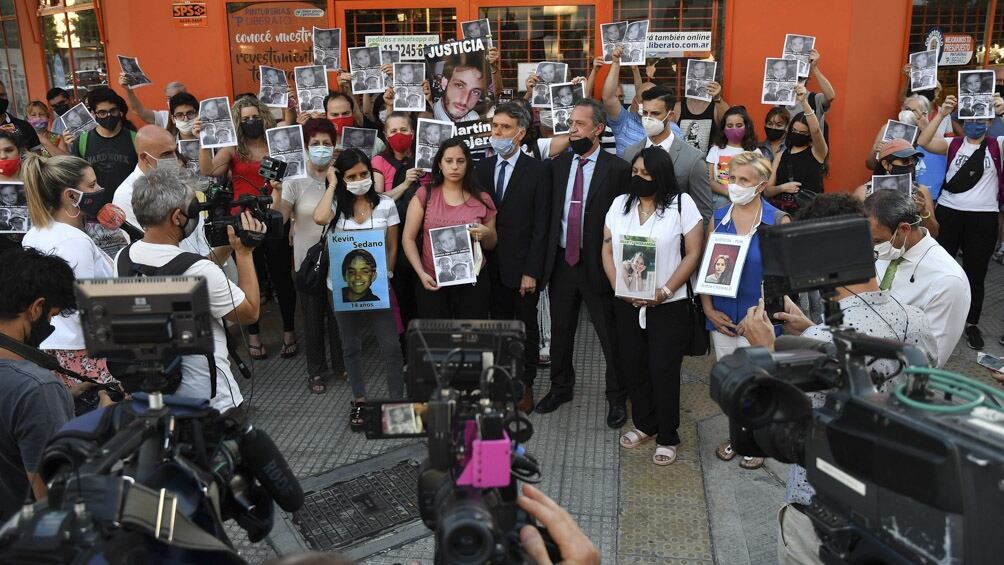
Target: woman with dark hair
{"points": [[774, 127], [721, 274], [652, 333], [734, 135], [453, 198], [351, 202], [297, 199], [800, 167]]}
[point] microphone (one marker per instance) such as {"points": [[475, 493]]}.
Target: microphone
{"points": [[263, 458], [111, 217]]}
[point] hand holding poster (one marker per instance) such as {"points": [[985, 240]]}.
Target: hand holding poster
{"points": [[358, 270], [636, 271], [274, 90], [367, 78], [431, 134], [286, 145], [799, 47], [217, 127], [976, 93], [564, 96], [699, 75], [722, 266], [780, 76], [459, 75], [77, 119], [924, 70], [13, 208], [452, 255], [311, 87], [475, 29], [328, 48], [135, 77], [408, 93], [899, 130]]}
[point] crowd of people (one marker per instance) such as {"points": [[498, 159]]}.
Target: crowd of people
{"points": [[554, 217]]}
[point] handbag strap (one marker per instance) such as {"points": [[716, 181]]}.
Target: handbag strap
{"points": [[683, 247]]}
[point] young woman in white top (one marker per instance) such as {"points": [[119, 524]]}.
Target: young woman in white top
{"points": [[62, 191], [735, 135], [353, 202], [653, 334]]}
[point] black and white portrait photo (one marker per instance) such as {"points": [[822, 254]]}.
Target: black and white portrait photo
{"points": [[217, 124], [274, 90], [548, 73], [612, 34], [328, 48], [311, 84], [13, 208], [699, 74], [563, 97], [78, 119], [452, 255], [976, 90], [924, 70], [408, 94], [286, 144], [364, 63], [779, 80], [902, 183], [363, 139], [799, 47], [431, 134], [900, 130], [134, 75], [475, 29], [635, 44]]}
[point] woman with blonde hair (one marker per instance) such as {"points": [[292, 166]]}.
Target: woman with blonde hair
{"points": [[61, 191]]}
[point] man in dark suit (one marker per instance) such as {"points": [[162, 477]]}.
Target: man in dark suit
{"points": [[582, 188], [516, 265]]}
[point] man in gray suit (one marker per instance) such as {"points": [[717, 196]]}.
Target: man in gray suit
{"points": [[688, 163]]}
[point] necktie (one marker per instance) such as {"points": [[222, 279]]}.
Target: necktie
{"points": [[573, 237], [890, 274], [500, 182]]}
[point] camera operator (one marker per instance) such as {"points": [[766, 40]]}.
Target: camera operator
{"points": [[167, 209], [866, 309], [34, 404]]}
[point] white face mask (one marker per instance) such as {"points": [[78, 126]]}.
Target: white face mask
{"points": [[166, 164], [653, 127], [184, 126], [359, 187], [741, 195], [907, 117], [886, 251]]}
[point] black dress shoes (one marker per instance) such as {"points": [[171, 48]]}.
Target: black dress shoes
{"points": [[616, 416], [552, 401]]}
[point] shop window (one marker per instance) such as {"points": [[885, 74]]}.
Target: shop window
{"points": [[11, 61], [542, 33], [74, 55], [403, 21], [966, 17]]}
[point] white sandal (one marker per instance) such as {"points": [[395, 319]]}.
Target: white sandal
{"points": [[633, 439], [664, 455]]}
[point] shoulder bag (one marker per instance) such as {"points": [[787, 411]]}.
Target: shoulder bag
{"points": [[700, 340]]}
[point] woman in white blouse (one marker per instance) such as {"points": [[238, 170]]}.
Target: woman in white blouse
{"points": [[61, 192], [653, 334]]}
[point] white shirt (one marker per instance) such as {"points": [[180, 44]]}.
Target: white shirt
{"points": [[195, 243], [510, 165], [87, 261], [160, 118], [939, 287], [983, 196], [587, 177], [665, 226], [303, 195], [665, 144], [224, 297]]}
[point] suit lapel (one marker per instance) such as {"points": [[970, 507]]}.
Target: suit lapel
{"points": [[514, 178], [562, 168]]}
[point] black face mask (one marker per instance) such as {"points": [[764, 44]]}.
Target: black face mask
{"points": [[774, 134], [109, 122], [253, 129], [797, 139], [641, 187], [581, 146], [61, 109], [92, 202], [3, 105], [40, 330], [900, 169]]}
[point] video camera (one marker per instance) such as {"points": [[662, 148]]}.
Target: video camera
{"points": [[152, 479], [915, 476], [463, 383], [223, 210]]}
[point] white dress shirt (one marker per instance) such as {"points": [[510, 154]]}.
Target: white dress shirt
{"points": [[666, 143], [510, 165], [587, 177], [930, 279]]}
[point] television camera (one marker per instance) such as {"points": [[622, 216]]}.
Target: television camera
{"points": [[914, 476], [223, 210], [152, 479], [463, 384]]}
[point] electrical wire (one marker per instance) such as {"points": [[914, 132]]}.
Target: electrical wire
{"points": [[975, 393]]}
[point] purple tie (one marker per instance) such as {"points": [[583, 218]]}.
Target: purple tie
{"points": [[573, 238]]}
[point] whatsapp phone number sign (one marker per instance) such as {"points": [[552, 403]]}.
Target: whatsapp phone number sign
{"points": [[662, 44]]}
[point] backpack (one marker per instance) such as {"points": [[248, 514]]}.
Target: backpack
{"points": [[995, 154], [82, 141]]}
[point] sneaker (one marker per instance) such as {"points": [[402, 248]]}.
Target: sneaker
{"points": [[974, 337], [999, 256]]}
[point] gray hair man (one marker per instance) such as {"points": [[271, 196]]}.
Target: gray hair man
{"points": [[916, 269], [166, 207]]}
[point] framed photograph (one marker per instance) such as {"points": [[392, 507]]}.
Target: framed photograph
{"points": [[612, 35], [899, 130], [563, 97], [924, 70], [286, 144], [78, 119], [699, 74], [722, 265], [328, 47], [358, 270], [400, 419], [274, 89], [134, 75], [976, 93], [311, 84], [13, 208], [799, 47], [901, 183], [429, 135], [475, 29], [453, 255], [780, 76], [217, 123], [635, 260], [363, 139]]}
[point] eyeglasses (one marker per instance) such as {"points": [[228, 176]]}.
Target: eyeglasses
{"points": [[115, 112], [190, 115]]}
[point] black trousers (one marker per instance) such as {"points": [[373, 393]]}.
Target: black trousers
{"points": [[650, 359], [569, 288], [277, 256], [459, 302], [319, 323], [976, 234], [507, 304]]}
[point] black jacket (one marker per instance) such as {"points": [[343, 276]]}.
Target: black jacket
{"points": [[523, 219]]}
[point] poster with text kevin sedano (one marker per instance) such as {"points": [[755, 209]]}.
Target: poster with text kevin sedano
{"points": [[358, 270]]}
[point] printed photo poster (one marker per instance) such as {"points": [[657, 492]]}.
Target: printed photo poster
{"points": [[217, 123], [924, 70], [328, 47], [696, 132], [363, 139], [431, 134], [13, 208], [636, 272], [134, 75], [389, 57], [799, 47], [899, 130], [358, 270], [286, 144], [612, 35], [311, 84], [188, 150], [563, 97], [722, 265], [477, 135], [400, 419], [780, 76], [548, 73], [635, 44], [901, 183], [475, 29], [459, 76], [274, 89], [408, 93], [699, 74], [78, 119], [976, 93], [364, 63], [452, 255]]}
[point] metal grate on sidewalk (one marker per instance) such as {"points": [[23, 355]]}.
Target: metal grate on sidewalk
{"points": [[354, 511]]}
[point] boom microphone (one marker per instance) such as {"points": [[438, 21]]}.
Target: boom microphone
{"points": [[111, 217], [263, 458]]}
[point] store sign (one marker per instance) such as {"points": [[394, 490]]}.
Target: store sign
{"points": [[666, 44], [411, 47], [189, 14], [274, 34], [958, 49]]}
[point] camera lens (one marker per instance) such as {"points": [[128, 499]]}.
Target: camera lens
{"points": [[467, 531], [756, 403]]}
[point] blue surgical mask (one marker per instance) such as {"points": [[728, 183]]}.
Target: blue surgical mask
{"points": [[501, 145], [320, 155], [974, 128]]}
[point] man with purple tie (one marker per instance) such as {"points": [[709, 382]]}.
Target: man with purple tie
{"points": [[583, 185]]}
